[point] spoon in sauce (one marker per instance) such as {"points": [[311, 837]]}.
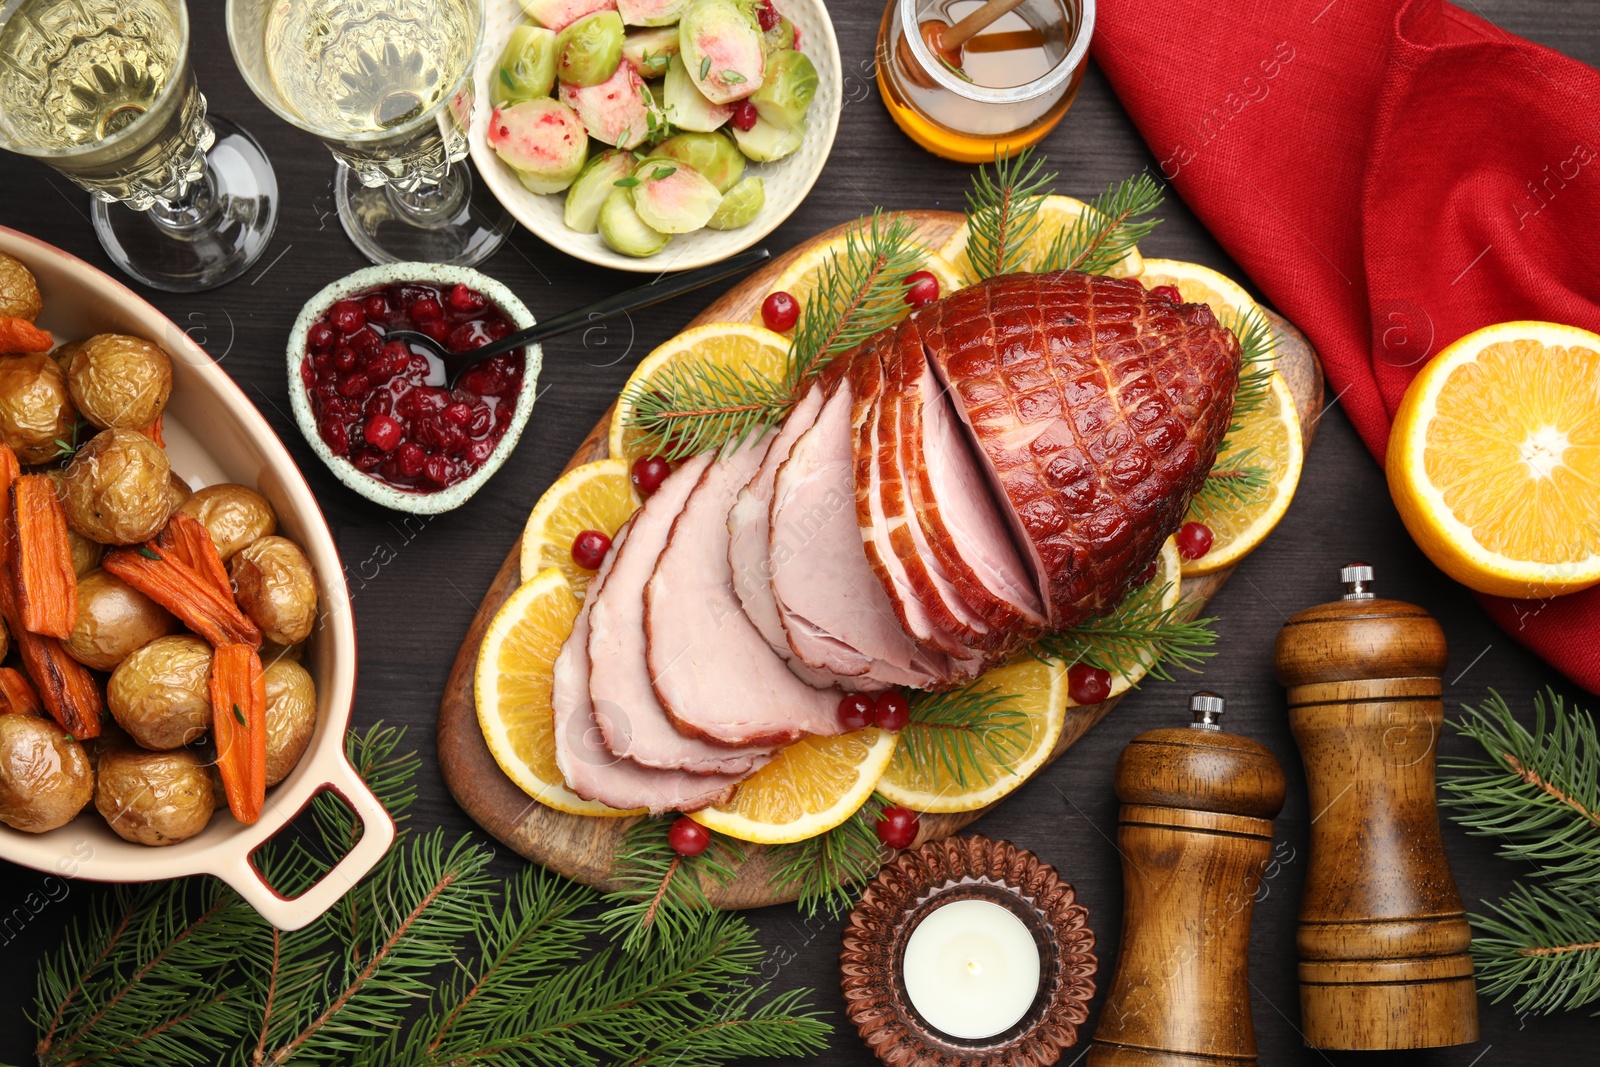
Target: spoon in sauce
{"points": [[643, 296], [946, 41]]}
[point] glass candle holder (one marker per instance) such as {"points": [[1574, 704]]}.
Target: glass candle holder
{"points": [[387, 86], [1015, 82], [102, 91]]}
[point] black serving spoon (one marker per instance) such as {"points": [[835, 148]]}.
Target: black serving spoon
{"points": [[456, 363]]}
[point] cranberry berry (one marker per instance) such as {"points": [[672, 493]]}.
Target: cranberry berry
{"points": [[688, 838], [892, 711], [780, 311], [321, 336], [767, 16], [855, 711], [648, 473], [898, 827], [589, 549], [383, 433], [347, 316], [922, 289], [1194, 540], [465, 299], [1168, 293], [1088, 685], [745, 116]]}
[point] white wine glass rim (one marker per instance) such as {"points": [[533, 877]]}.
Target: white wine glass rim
{"points": [[268, 93], [1082, 32], [175, 84]]}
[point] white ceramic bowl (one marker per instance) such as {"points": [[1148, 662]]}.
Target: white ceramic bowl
{"points": [[440, 274], [214, 434], [787, 181]]}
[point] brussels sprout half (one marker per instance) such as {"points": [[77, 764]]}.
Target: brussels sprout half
{"points": [[651, 12], [712, 154], [673, 197], [721, 47], [624, 231], [767, 141], [590, 49], [785, 97], [527, 69], [542, 140], [651, 51], [686, 107], [597, 182], [617, 111], [559, 14], [740, 205]]}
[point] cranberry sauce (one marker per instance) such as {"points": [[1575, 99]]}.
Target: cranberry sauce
{"points": [[384, 405]]}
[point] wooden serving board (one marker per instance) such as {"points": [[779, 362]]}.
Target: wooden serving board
{"points": [[582, 847]]}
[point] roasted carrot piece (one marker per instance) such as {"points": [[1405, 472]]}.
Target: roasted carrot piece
{"points": [[187, 540], [185, 592], [17, 695], [40, 558], [66, 688], [239, 728], [153, 431], [20, 335]]}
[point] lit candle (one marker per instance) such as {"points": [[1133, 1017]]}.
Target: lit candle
{"points": [[971, 969]]}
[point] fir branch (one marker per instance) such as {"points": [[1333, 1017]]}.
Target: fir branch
{"points": [[1258, 344], [1139, 632], [1538, 791], [1541, 945], [860, 292], [661, 890], [1003, 213], [1100, 237], [950, 730], [823, 868], [696, 406], [1234, 482], [783, 1026]]}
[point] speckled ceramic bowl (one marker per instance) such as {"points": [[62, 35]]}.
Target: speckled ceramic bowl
{"points": [[450, 497]]}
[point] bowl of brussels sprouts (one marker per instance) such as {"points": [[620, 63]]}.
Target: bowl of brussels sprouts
{"points": [[654, 135]]}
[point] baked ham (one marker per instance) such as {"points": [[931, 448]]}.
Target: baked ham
{"points": [[1097, 410], [693, 619]]}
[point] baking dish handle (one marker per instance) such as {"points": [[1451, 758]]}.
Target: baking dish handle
{"points": [[377, 834]]}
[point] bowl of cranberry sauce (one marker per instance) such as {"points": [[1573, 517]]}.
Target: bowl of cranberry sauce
{"points": [[380, 413]]}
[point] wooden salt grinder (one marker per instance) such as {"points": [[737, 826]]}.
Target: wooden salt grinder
{"points": [[1383, 935], [1195, 835]]}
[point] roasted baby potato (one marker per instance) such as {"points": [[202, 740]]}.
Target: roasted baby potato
{"points": [[273, 584], [45, 777], [114, 621], [19, 292], [85, 553], [291, 717], [234, 515], [159, 694], [177, 492], [154, 798], [116, 488], [63, 354], [35, 410], [121, 381]]}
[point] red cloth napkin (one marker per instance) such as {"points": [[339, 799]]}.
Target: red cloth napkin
{"points": [[1392, 175]]}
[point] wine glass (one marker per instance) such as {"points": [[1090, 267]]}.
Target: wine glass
{"points": [[387, 85], [101, 90]]}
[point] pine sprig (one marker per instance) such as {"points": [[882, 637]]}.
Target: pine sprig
{"points": [[1258, 343], [823, 868], [1139, 631], [1541, 945], [1003, 213], [1234, 482], [661, 890], [1537, 793], [955, 730], [694, 406], [1100, 237]]}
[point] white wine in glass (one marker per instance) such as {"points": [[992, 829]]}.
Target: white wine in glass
{"points": [[387, 85], [101, 91]]}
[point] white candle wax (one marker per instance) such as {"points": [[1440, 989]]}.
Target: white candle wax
{"points": [[971, 969]]}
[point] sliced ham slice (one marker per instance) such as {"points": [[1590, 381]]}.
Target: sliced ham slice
{"points": [[714, 673], [959, 526], [834, 611], [631, 719], [591, 769], [748, 541], [915, 602]]}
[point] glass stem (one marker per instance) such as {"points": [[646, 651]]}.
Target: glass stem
{"points": [[429, 207], [191, 214]]}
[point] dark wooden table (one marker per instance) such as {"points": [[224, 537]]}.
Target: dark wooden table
{"points": [[415, 585]]}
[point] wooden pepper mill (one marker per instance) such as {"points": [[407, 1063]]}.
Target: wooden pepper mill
{"points": [[1383, 935], [1195, 835]]}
